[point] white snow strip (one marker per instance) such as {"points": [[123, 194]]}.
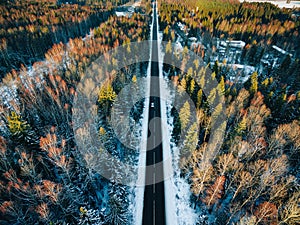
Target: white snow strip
{"points": [[170, 206], [140, 189], [280, 4], [177, 190]]}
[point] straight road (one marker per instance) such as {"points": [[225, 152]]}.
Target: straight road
{"points": [[154, 199]]}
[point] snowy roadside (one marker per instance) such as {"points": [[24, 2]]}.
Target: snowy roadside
{"points": [[138, 204], [177, 190], [138, 199]]}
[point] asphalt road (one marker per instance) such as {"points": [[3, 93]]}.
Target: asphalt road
{"points": [[154, 201]]}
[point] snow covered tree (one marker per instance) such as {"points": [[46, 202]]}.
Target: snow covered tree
{"points": [[117, 213], [90, 217], [247, 220]]}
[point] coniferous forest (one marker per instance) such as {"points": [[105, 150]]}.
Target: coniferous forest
{"points": [[251, 50]]}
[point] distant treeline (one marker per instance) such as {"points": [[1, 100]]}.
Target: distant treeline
{"points": [[260, 23]]}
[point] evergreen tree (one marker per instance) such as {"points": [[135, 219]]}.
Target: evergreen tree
{"points": [[106, 97], [184, 115], [242, 126], [21, 130], [221, 87], [190, 141], [254, 83], [199, 98]]}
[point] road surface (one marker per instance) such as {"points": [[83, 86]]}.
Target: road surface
{"points": [[154, 204]]}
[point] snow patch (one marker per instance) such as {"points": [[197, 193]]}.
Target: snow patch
{"points": [[280, 4]]}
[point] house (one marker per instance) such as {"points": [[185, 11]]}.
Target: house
{"points": [[125, 11], [239, 73], [232, 44], [236, 44]]}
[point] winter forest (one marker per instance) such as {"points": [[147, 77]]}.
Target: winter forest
{"points": [[249, 175]]}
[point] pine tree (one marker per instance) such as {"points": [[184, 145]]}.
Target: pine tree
{"points": [[134, 79], [107, 93], [191, 140], [254, 83], [117, 214], [221, 87], [106, 97], [213, 75], [212, 96], [190, 72], [192, 87], [183, 83], [242, 126], [184, 115], [216, 68], [199, 98], [169, 47], [16, 125], [102, 131], [217, 110], [21, 130]]}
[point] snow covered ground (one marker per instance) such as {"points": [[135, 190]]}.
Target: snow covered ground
{"points": [[138, 203], [177, 190], [280, 4]]}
